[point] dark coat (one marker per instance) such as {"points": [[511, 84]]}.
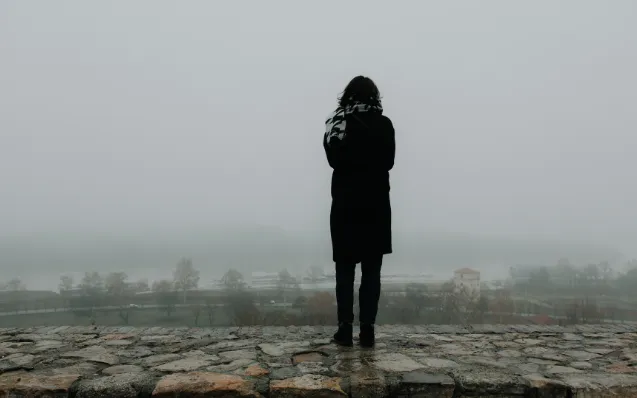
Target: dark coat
{"points": [[360, 220]]}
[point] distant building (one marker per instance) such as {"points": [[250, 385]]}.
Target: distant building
{"points": [[264, 280], [467, 280]]}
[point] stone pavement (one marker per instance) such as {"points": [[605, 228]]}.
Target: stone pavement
{"points": [[409, 361]]}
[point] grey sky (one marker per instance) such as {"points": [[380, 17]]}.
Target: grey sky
{"points": [[512, 118]]}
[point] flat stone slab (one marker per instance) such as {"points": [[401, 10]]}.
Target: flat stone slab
{"points": [[35, 385], [118, 369], [45, 345], [123, 385], [394, 362], [155, 360], [409, 361], [283, 348], [204, 384], [94, 354], [183, 365], [309, 385], [425, 385]]}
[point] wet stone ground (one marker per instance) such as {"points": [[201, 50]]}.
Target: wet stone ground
{"points": [[409, 361]]}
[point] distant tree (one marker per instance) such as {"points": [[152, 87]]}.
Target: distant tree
{"points": [[540, 279], [92, 292], [573, 312], [315, 273], [592, 274], [286, 283], [233, 280], [503, 304], [626, 283], [115, 283], [210, 311], [196, 310], [279, 318], [115, 286], [14, 285], [606, 270], [564, 262], [300, 302], [320, 308], [416, 298], [66, 283], [162, 286], [479, 309], [186, 277], [165, 295], [610, 312], [241, 308], [590, 311], [124, 311], [92, 284], [141, 286], [453, 303]]}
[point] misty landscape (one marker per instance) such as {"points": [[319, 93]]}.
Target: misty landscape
{"points": [[162, 165]]}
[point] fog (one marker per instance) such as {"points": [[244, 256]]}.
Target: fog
{"points": [[134, 133]]}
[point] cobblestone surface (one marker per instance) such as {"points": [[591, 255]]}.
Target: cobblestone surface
{"points": [[408, 361]]}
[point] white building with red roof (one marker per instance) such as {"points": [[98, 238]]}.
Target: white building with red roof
{"points": [[467, 280]]}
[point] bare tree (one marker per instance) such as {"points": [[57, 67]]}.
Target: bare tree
{"points": [[300, 303], [196, 312], [115, 283], [92, 283], [241, 309], [142, 285], [210, 311], [286, 283], [14, 285], [186, 277], [165, 295], [233, 280], [417, 299], [592, 274], [115, 286], [503, 304], [315, 273], [478, 309], [66, 283], [320, 308], [454, 302], [163, 285], [92, 289]]}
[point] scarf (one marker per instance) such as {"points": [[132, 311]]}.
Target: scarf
{"points": [[335, 123]]}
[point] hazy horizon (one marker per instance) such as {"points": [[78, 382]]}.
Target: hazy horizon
{"points": [[40, 262], [515, 122]]}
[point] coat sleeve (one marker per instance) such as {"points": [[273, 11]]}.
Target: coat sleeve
{"points": [[335, 153], [389, 145]]}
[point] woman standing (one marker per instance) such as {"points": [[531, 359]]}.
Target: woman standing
{"points": [[359, 144]]}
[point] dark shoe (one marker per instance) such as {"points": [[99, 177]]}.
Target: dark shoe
{"points": [[344, 335], [366, 336]]}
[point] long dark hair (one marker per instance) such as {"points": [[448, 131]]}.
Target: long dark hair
{"points": [[360, 89]]}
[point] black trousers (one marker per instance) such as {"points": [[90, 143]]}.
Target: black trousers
{"points": [[368, 294]]}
